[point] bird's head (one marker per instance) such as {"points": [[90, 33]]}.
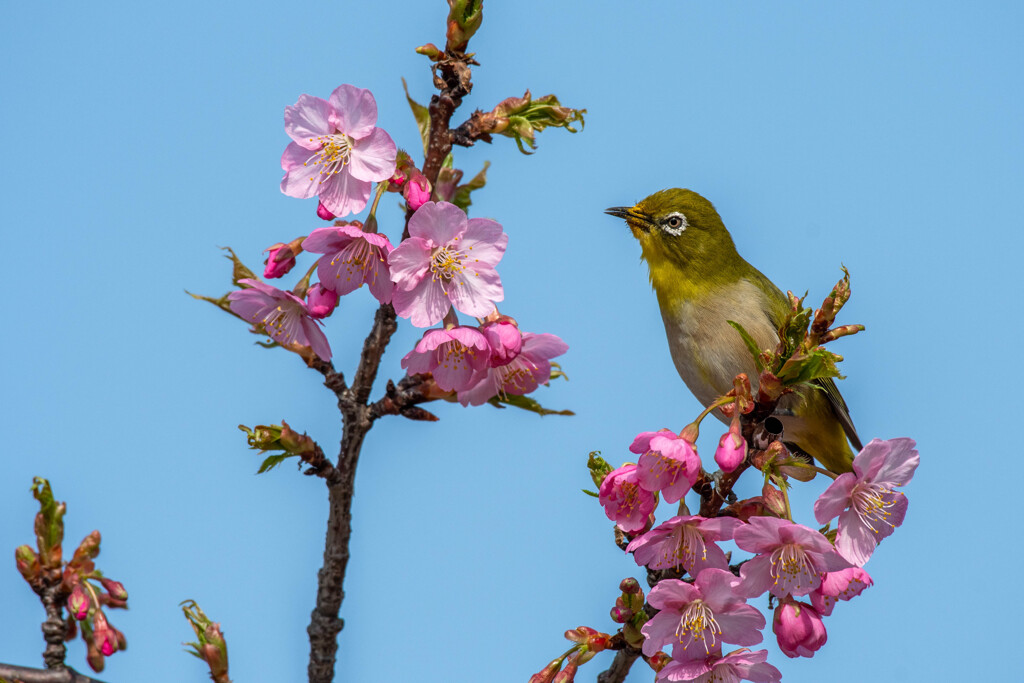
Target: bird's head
{"points": [[680, 235]]}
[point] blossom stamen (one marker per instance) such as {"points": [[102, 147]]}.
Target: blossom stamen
{"points": [[694, 621], [871, 504]]}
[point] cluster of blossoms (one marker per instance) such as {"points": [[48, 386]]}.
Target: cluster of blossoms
{"points": [[85, 591], [800, 567], [447, 263]]}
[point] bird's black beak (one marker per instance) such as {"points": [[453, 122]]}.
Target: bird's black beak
{"points": [[633, 216]]}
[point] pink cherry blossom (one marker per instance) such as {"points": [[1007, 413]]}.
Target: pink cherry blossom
{"points": [[624, 501], [798, 628], [732, 449], [283, 316], [352, 257], [448, 260], [337, 151], [866, 500], [321, 301], [454, 356], [667, 463], [687, 541], [505, 339], [844, 584], [695, 618], [739, 665], [520, 376], [791, 557]]}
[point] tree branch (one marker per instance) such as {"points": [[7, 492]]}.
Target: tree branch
{"points": [[623, 662], [357, 416], [13, 674]]}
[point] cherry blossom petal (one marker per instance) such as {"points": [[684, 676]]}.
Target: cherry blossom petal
{"points": [[835, 498], [409, 263], [299, 181], [373, 157], [474, 293], [855, 541], [438, 223], [871, 458], [425, 304], [741, 625], [756, 576], [342, 194], [903, 460], [308, 119], [355, 111], [483, 241]]}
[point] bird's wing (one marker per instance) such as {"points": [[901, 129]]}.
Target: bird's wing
{"points": [[835, 399]]}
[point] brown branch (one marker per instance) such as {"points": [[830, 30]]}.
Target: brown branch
{"points": [[403, 399], [452, 76], [623, 662], [54, 628], [13, 674]]}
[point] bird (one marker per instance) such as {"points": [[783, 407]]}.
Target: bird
{"points": [[702, 283]]}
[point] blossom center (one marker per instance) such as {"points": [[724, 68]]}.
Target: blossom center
{"points": [[280, 322], [872, 501], [453, 353], [694, 621], [664, 465], [792, 566], [690, 543], [334, 154], [446, 263]]}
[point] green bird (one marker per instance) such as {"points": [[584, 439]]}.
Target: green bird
{"points": [[702, 283]]}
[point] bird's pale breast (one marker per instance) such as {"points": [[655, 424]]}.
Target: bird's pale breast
{"points": [[708, 352]]}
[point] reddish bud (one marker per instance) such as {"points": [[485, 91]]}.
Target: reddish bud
{"points": [[658, 660], [547, 674], [430, 50], [95, 658], [279, 261], [115, 588], [505, 340], [27, 561], [416, 191], [799, 629], [732, 449], [566, 675], [620, 614], [103, 636], [78, 602], [630, 585], [321, 301], [773, 500], [323, 213]]}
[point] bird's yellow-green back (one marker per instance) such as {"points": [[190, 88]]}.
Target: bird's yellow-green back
{"points": [[701, 283]]}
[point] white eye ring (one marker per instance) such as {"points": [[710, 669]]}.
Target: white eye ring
{"points": [[674, 224]]}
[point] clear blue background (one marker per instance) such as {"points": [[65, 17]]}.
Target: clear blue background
{"points": [[139, 138]]}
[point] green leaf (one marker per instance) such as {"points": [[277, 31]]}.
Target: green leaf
{"points": [[526, 403], [598, 466], [239, 271], [803, 368], [49, 523], [273, 461], [590, 493], [422, 116], [751, 344], [556, 372], [462, 197]]}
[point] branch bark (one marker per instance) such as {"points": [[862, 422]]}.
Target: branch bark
{"points": [[11, 673], [358, 415]]}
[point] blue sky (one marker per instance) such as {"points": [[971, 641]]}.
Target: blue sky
{"points": [[139, 138]]}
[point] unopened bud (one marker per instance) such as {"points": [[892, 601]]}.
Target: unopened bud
{"points": [[546, 674], [321, 301], [103, 636], [416, 191], [464, 18], [323, 212], [279, 261], [629, 585], [732, 449], [620, 614], [86, 551], [566, 675], [94, 657], [115, 588], [430, 50], [27, 561], [773, 499], [78, 603], [293, 442], [658, 661], [505, 340]]}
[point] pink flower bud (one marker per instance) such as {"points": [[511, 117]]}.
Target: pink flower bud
{"points": [[27, 561], [416, 191], [103, 636], [323, 213], [732, 449], [321, 301], [629, 585], [280, 260], [505, 340], [621, 614], [115, 588], [78, 603], [566, 675], [546, 674], [799, 629], [95, 658]]}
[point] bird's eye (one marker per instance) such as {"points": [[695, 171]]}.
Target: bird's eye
{"points": [[675, 223]]}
